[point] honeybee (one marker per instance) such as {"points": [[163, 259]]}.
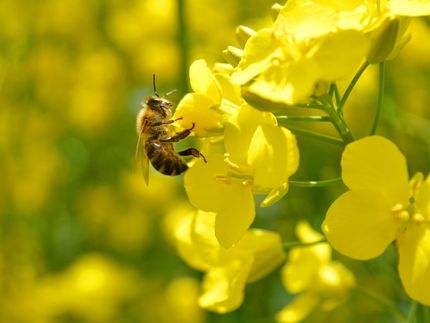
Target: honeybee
{"points": [[155, 138]]}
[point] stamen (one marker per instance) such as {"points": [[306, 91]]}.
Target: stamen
{"points": [[247, 182], [400, 213], [240, 169], [397, 208], [418, 218], [223, 179], [403, 216], [225, 107]]}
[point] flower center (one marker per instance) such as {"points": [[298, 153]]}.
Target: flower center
{"points": [[409, 213]]}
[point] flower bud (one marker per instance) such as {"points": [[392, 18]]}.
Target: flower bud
{"points": [[385, 39], [276, 9], [243, 33], [232, 55]]}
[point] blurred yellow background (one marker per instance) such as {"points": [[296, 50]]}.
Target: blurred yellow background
{"points": [[81, 236], [82, 239]]}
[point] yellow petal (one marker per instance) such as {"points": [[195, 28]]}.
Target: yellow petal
{"points": [[233, 202], [360, 224], [258, 53], [299, 308], [410, 7], [303, 265], [223, 287], [198, 109], [335, 59], [307, 19], [266, 249], [230, 91], [334, 279], [205, 245], [274, 156], [186, 245], [203, 190], [289, 83], [376, 163], [203, 81], [414, 262], [235, 215], [306, 233], [304, 262], [240, 130], [275, 195]]}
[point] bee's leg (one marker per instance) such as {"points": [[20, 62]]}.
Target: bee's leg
{"points": [[192, 152], [155, 124], [179, 136]]}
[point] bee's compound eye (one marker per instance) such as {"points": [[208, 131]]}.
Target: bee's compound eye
{"points": [[154, 101]]}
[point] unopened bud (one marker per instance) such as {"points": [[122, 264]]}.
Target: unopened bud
{"points": [[232, 55], [276, 9], [386, 39], [243, 33]]}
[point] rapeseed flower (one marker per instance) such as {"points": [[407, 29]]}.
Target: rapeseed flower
{"points": [[226, 271], [309, 270], [381, 207], [260, 157], [314, 42], [304, 47], [214, 99]]}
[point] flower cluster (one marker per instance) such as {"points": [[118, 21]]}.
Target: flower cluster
{"points": [[382, 207], [247, 153], [310, 271], [226, 271], [311, 42], [235, 108]]}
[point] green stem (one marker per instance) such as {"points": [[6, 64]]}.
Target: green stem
{"points": [[322, 183], [427, 21], [421, 314], [183, 46], [380, 98], [305, 118], [263, 104], [334, 91], [425, 314], [382, 301], [351, 86], [339, 123], [412, 312], [293, 244], [318, 136]]}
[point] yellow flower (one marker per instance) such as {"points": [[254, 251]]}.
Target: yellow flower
{"points": [[260, 159], [381, 207], [92, 289], [181, 301], [304, 47], [311, 272], [411, 8], [233, 203], [212, 101], [226, 271], [322, 41], [261, 151]]}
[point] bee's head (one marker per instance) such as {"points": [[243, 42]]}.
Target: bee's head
{"points": [[160, 105]]}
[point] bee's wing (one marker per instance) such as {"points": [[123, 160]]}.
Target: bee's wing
{"points": [[141, 158]]}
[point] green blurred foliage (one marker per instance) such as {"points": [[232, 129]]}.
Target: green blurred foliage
{"points": [[81, 237]]}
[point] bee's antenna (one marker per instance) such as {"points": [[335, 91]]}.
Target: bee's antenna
{"points": [[170, 92], [153, 84]]}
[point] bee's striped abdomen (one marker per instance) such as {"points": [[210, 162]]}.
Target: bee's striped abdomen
{"points": [[164, 159]]}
